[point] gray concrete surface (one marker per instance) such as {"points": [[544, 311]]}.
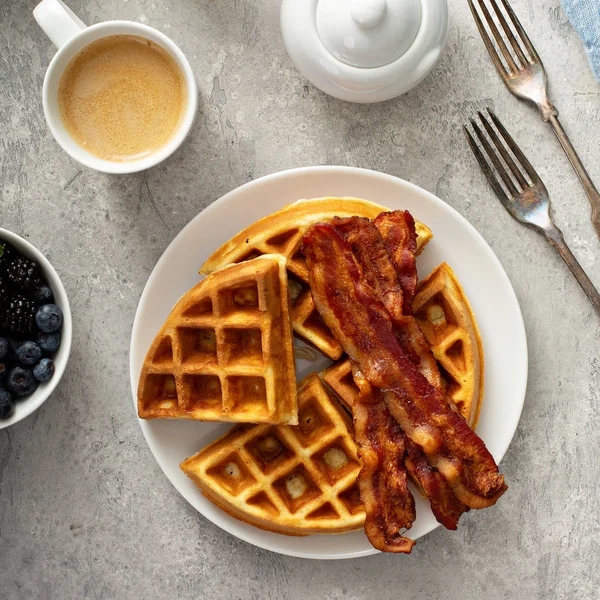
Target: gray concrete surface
{"points": [[85, 512]]}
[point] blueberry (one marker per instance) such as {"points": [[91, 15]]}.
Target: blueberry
{"points": [[21, 382], [3, 370], [49, 342], [43, 295], [49, 318], [7, 405], [3, 347], [29, 353], [44, 370]]}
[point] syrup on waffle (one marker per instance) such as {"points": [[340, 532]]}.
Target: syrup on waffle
{"points": [[295, 480], [225, 352], [281, 233]]}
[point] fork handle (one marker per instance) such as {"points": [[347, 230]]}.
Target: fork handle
{"points": [[555, 237], [586, 181]]}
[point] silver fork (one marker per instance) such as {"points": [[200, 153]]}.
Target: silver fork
{"points": [[526, 201], [525, 76]]}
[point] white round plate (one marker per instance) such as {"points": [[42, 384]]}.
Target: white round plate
{"points": [[455, 241]]}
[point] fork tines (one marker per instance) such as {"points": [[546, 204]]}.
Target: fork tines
{"points": [[502, 161], [518, 45]]}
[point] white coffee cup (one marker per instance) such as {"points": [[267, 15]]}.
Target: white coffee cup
{"points": [[70, 35]]}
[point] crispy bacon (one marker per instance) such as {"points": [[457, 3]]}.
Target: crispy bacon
{"points": [[445, 506], [372, 257], [381, 275], [417, 349], [397, 229], [363, 326], [382, 481], [386, 280]]}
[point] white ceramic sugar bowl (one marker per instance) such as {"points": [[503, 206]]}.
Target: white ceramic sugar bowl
{"points": [[364, 50]]}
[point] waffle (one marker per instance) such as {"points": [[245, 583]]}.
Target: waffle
{"points": [[445, 316], [292, 480], [339, 379], [225, 352], [447, 321], [281, 233]]}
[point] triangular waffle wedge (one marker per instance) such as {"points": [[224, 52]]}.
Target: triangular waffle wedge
{"points": [[447, 321], [225, 352], [445, 316], [295, 480], [281, 233]]}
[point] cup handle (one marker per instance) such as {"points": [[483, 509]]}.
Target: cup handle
{"points": [[58, 21]]}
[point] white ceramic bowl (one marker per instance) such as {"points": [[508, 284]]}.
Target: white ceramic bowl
{"points": [[309, 38], [28, 404]]}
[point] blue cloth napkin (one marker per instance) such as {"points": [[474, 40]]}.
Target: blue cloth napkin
{"points": [[585, 17]]}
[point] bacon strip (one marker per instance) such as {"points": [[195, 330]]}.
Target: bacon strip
{"points": [[445, 506], [363, 326], [397, 229], [371, 255], [387, 281], [382, 481], [377, 269]]}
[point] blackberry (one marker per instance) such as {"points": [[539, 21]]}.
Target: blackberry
{"points": [[3, 292], [17, 316], [23, 274], [7, 255]]}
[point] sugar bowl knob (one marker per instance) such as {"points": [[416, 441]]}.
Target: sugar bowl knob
{"points": [[368, 13]]}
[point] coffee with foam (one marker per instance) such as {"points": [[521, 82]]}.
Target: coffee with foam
{"points": [[122, 98]]}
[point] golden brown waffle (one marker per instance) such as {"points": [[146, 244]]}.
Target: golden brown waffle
{"points": [[445, 316], [339, 379], [448, 323], [293, 480], [281, 233], [225, 352]]}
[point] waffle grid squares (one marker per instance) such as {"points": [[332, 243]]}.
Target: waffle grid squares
{"points": [[296, 469], [446, 319], [281, 233], [203, 349], [220, 355], [306, 320], [293, 475]]}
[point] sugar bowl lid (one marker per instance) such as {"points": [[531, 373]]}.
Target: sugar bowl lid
{"points": [[367, 33], [364, 50]]}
